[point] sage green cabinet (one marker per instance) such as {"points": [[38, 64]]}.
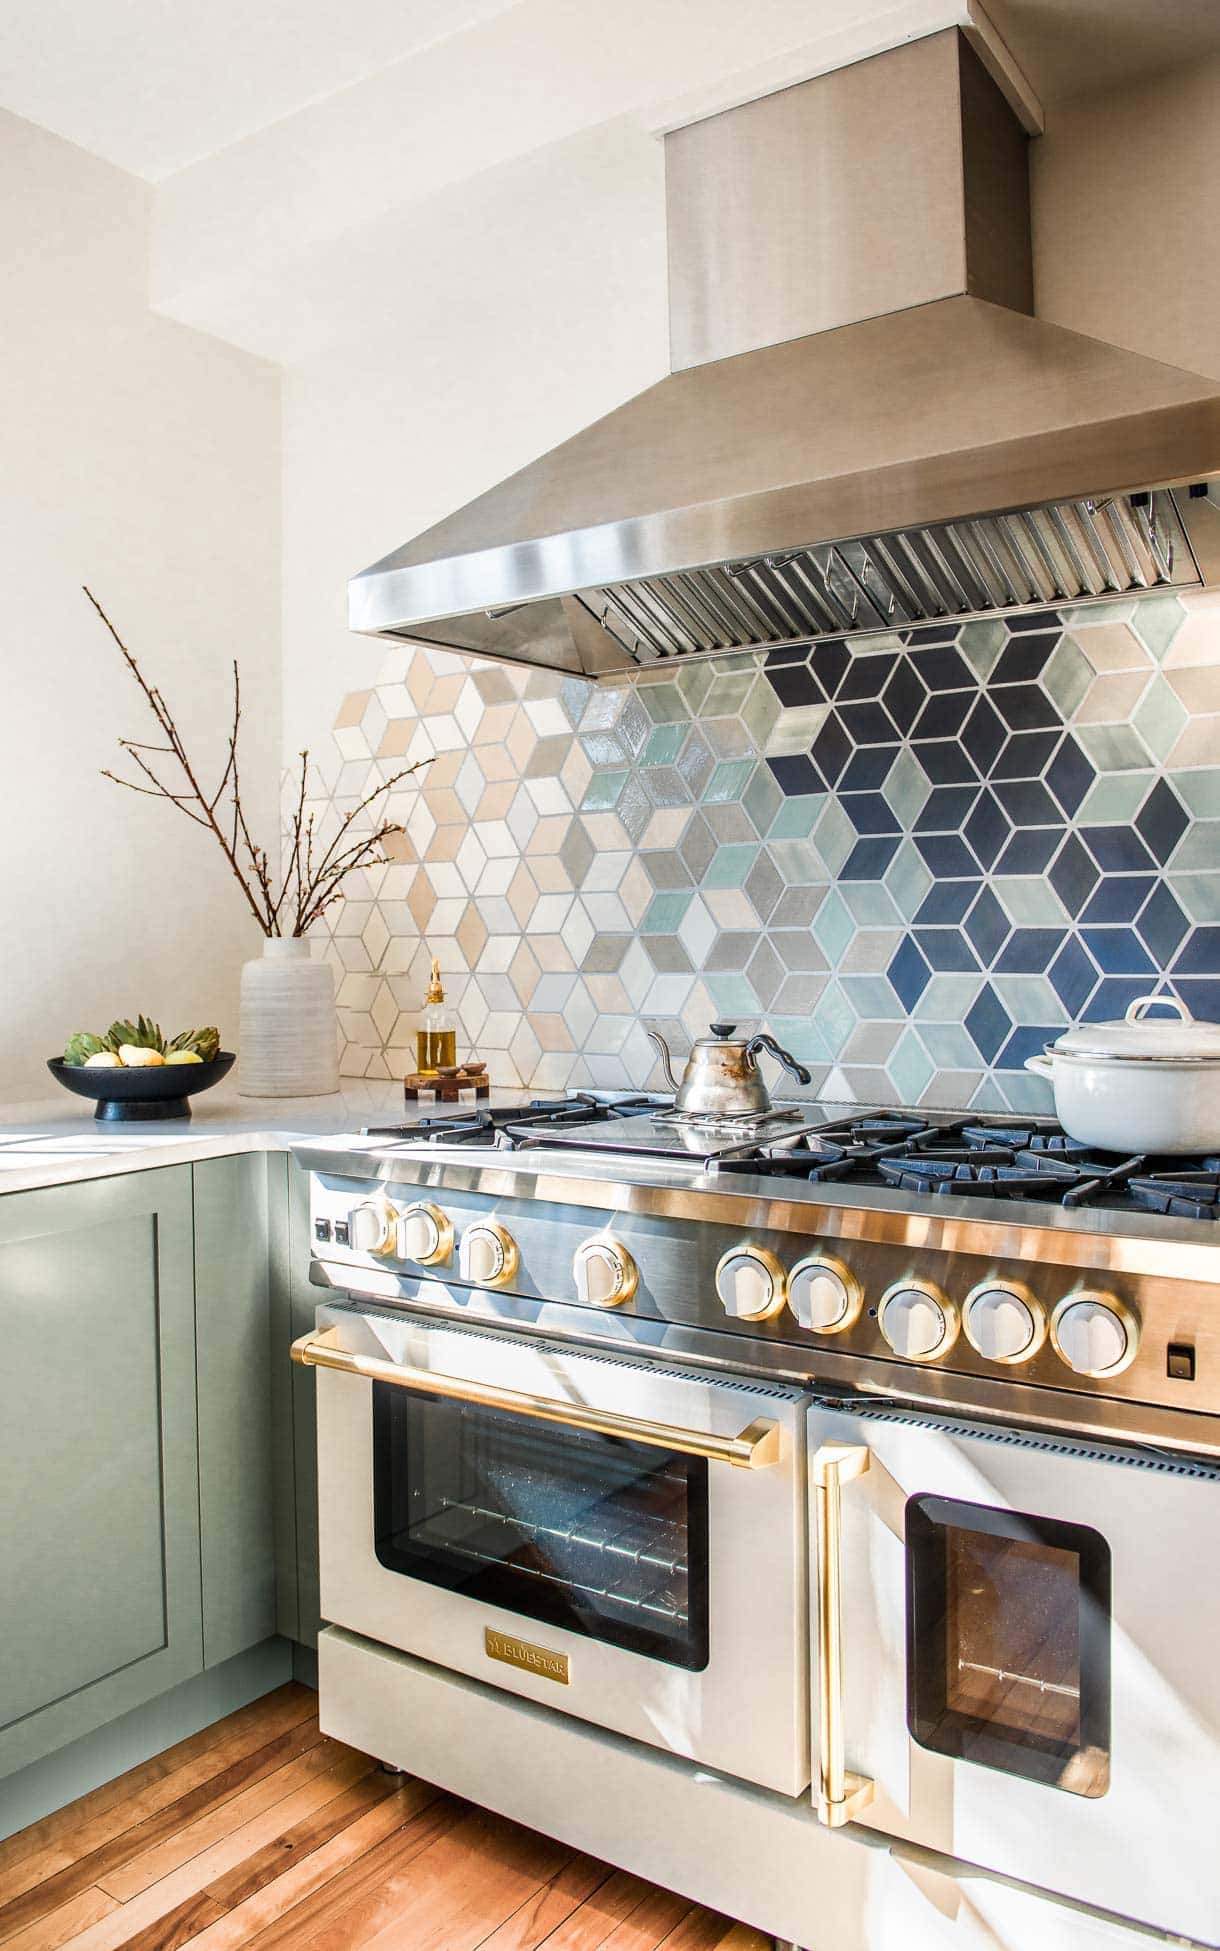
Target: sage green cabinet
{"points": [[294, 1301], [100, 1588], [234, 1396]]}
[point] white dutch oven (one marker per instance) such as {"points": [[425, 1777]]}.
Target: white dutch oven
{"points": [[1138, 1086]]}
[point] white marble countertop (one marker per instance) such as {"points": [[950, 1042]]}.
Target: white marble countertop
{"points": [[52, 1141]]}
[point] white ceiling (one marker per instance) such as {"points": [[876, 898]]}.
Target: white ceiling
{"points": [[153, 85]]}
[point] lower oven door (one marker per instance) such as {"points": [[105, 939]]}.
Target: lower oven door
{"points": [[1017, 1652], [615, 1538]]}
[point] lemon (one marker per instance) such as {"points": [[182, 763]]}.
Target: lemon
{"points": [[134, 1056], [182, 1057], [102, 1060]]}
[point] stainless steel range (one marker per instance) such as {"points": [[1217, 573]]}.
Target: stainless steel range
{"points": [[878, 1448]]}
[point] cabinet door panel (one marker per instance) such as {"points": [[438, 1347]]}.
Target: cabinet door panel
{"points": [[99, 1599]]}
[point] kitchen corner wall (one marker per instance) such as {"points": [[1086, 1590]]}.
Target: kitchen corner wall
{"points": [[914, 859]]}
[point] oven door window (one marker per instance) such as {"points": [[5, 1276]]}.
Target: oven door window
{"points": [[586, 1532], [1008, 1642]]}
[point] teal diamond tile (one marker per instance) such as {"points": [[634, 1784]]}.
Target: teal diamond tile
{"points": [[664, 703], [906, 789], [799, 863], [1114, 799], [1029, 999], [762, 798], [833, 927], [664, 744], [802, 1037], [910, 1067], [834, 1018], [728, 781], [733, 995], [949, 1045], [835, 836], [664, 913], [1156, 621], [1026, 1093], [869, 904], [1067, 676], [795, 730], [730, 866], [908, 880], [694, 683], [1159, 718], [1029, 901], [760, 712], [602, 791], [1198, 851], [1113, 748], [981, 643], [871, 996], [796, 818], [948, 999], [1200, 792], [1198, 894], [989, 1096], [728, 693], [1105, 612]]}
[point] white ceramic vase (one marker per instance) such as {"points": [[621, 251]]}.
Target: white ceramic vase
{"points": [[288, 1042]]}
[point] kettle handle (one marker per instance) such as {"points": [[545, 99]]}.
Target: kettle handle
{"points": [[654, 1036], [782, 1056]]}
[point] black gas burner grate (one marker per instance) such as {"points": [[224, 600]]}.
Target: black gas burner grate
{"points": [[505, 1126]]}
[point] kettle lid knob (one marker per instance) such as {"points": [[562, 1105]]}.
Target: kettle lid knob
{"points": [[723, 1029]]}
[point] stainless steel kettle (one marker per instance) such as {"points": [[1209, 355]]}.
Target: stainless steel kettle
{"points": [[722, 1078]]}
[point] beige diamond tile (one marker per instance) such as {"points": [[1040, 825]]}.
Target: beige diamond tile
{"points": [[493, 683], [522, 894], [576, 774], [446, 692], [552, 1032], [494, 726], [1198, 640], [399, 847], [554, 955], [666, 827], [471, 934], [349, 917], [606, 831], [1110, 700], [352, 710], [1199, 744], [730, 907], [442, 774], [549, 834], [550, 874], [524, 972], [396, 739], [1198, 687], [494, 801], [521, 741], [635, 892], [444, 843], [1111, 646], [420, 680]]}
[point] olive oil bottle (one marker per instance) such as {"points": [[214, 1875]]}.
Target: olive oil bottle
{"points": [[436, 1037]]}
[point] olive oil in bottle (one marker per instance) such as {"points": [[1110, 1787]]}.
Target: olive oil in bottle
{"points": [[436, 1037]]}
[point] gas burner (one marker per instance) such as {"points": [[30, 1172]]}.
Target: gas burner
{"points": [[505, 1127], [1188, 1191], [731, 1124]]}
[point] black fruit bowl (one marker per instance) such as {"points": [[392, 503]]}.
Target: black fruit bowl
{"points": [[160, 1091]]}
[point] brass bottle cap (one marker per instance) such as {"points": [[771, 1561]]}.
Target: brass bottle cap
{"points": [[435, 993]]}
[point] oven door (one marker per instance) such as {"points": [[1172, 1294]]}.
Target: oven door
{"points": [[614, 1538], [1017, 1656]]}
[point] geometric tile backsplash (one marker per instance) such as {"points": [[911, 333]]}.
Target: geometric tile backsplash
{"points": [[914, 859]]}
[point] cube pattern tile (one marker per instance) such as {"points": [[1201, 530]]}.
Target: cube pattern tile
{"points": [[913, 859]]}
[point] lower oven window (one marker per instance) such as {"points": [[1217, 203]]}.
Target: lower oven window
{"points": [[1008, 1642], [599, 1536]]}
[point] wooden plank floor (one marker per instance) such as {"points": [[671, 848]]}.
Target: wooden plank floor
{"points": [[263, 1831]]}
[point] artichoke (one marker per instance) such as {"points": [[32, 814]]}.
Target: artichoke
{"points": [[82, 1046], [203, 1043], [144, 1034]]}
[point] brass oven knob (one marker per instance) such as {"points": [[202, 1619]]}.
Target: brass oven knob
{"points": [[371, 1226], [824, 1295], [751, 1283], [425, 1234], [1003, 1322], [1094, 1333], [917, 1320], [604, 1271], [488, 1254]]}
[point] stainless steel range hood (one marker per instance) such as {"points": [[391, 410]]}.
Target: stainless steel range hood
{"points": [[865, 428]]}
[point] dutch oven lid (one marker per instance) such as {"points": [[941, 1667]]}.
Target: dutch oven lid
{"points": [[1179, 1041]]}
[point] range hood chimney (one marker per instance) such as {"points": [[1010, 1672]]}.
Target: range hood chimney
{"points": [[865, 428]]}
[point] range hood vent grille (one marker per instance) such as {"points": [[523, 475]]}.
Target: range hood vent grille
{"points": [[1069, 552]]}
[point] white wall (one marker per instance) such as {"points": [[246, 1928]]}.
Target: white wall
{"points": [[143, 459]]}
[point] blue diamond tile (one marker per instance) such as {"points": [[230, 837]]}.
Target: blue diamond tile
{"points": [[945, 903], [946, 950], [1029, 950], [1025, 657], [866, 677], [787, 654], [1026, 708], [944, 714], [794, 774], [1033, 622], [867, 769], [1161, 821], [908, 973], [987, 830], [987, 926], [946, 855], [983, 734], [1162, 925], [868, 724], [1028, 851], [1027, 803], [1117, 849], [904, 696], [1072, 975], [1117, 951], [1024, 755], [795, 686], [868, 812], [1070, 775], [1119, 897], [869, 859], [988, 1023], [1074, 874], [932, 633], [1202, 999], [1201, 955], [829, 664], [946, 809], [1026, 1042], [831, 750], [945, 760], [943, 669], [1114, 996]]}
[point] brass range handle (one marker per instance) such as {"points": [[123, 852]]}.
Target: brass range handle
{"points": [[755, 1448], [841, 1795]]}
